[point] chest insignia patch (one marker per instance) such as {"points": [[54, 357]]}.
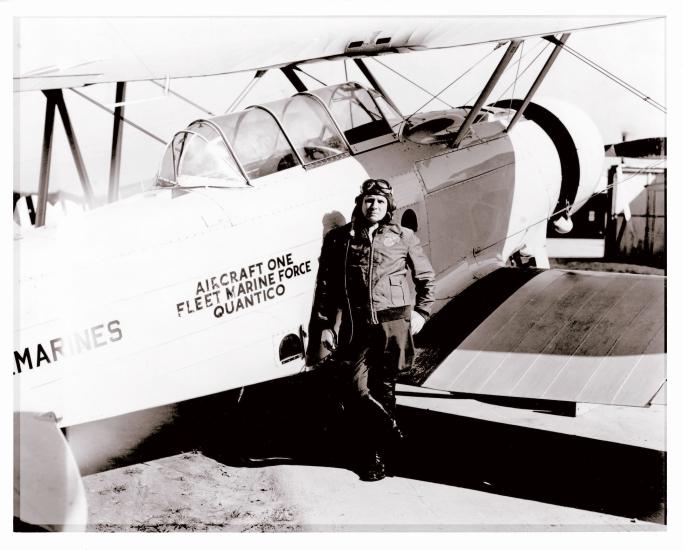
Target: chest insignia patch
{"points": [[390, 240]]}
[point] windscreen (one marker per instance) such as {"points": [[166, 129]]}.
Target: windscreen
{"points": [[258, 142], [198, 157], [355, 111], [309, 127]]}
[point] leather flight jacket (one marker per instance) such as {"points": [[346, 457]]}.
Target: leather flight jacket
{"points": [[368, 279]]}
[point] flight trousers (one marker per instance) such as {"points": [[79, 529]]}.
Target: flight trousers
{"points": [[375, 356]]}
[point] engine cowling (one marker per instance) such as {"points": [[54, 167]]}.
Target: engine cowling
{"points": [[578, 143], [558, 162]]}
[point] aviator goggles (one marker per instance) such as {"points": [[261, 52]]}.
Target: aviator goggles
{"points": [[376, 186]]}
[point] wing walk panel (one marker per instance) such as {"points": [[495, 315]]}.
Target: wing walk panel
{"points": [[540, 336], [551, 360], [640, 380], [632, 321], [498, 320], [647, 325], [599, 339], [507, 338], [568, 336]]}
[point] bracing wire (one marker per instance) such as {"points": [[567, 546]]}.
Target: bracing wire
{"points": [[469, 101], [529, 65], [136, 126], [185, 99], [446, 87], [412, 82], [566, 208], [616, 79], [519, 62], [311, 76]]}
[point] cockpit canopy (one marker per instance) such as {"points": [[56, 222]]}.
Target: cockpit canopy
{"points": [[306, 129]]}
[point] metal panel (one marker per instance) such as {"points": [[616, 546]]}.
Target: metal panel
{"points": [[567, 336], [462, 202], [454, 167]]}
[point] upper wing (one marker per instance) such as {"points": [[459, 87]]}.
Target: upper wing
{"points": [[71, 52], [567, 336]]}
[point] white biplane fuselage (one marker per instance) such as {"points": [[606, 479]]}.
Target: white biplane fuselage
{"points": [[205, 283]]}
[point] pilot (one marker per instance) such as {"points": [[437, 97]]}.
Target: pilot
{"points": [[363, 273]]}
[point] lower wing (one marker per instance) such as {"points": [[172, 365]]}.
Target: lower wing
{"points": [[582, 337]]}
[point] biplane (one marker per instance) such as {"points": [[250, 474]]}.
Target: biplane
{"points": [[205, 282]]}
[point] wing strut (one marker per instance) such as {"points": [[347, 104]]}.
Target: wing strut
{"points": [[117, 138], [544, 71], [246, 90], [136, 126], [75, 149], [45, 159], [55, 98], [374, 83], [294, 78], [495, 77]]}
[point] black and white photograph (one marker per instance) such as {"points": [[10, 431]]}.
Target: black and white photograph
{"points": [[348, 272]]}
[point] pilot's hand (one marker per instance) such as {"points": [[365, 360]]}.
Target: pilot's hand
{"points": [[328, 339], [416, 322]]}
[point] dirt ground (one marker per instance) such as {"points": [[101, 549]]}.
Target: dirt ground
{"points": [[187, 492]]}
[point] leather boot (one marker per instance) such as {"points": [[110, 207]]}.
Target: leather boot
{"points": [[375, 469], [385, 419], [395, 432]]}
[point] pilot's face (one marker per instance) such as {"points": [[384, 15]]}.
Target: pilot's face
{"points": [[374, 208]]}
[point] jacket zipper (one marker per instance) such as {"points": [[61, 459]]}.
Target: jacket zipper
{"points": [[346, 291], [373, 314]]}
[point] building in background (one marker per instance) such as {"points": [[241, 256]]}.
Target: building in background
{"points": [[626, 222]]}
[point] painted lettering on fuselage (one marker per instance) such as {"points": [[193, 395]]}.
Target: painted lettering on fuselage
{"points": [[88, 339], [244, 287]]}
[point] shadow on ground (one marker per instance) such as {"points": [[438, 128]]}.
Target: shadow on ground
{"points": [[298, 420]]}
